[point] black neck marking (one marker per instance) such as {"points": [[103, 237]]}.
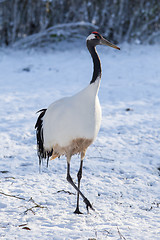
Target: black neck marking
{"points": [[96, 62]]}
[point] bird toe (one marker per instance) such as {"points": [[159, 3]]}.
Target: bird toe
{"points": [[77, 211], [88, 204]]}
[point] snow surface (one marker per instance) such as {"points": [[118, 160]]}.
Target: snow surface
{"points": [[120, 174]]}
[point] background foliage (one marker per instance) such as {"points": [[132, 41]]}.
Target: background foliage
{"points": [[119, 20]]}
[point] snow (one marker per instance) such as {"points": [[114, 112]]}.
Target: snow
{"points": [[120, 174]]}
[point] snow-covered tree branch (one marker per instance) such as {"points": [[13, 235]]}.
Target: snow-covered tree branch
{"points": [[120, 20]]}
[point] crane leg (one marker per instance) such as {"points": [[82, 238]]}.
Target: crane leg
{"points": [[79, 176], [69, 179]]}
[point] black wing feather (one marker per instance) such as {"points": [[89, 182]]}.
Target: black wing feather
{"points": [[42, 154]]}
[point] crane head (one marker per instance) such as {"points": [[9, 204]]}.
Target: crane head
{"points": [[96, 39]]}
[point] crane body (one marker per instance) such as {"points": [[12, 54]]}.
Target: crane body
{"points": [[79, 119]]}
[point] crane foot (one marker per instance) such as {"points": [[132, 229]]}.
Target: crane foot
{"points": [[88, 204], [77, 211]]}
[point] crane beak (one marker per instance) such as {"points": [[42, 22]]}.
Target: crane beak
{"points": [[103, 41]]}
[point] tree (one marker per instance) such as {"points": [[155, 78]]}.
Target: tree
{"points": [[119, 20]]}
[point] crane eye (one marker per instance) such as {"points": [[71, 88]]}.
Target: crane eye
{"points": [[97, 37]]}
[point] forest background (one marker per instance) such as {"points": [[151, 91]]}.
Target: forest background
{"points": [[55, 20]]}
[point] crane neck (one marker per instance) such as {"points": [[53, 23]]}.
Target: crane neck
{"points": [[96, 63]]}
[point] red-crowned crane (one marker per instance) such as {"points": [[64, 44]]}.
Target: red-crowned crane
{"points": [[70, 125]]}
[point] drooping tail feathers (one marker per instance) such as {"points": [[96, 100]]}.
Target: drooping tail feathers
{"points": [[42, 154]]}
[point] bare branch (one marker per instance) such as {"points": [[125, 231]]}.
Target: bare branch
{"points": [[36, 205], [120, 234], [70, 193], [14, 196]]}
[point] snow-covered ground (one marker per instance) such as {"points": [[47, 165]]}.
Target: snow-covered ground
{"points": [[120, 174]]}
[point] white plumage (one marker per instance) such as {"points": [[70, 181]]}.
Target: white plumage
{"points": [[69, 125], [74, 117]]}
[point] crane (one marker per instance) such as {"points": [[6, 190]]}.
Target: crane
{"points": [[70, 125]]}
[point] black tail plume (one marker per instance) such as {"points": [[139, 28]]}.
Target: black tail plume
{"points": [[42, 154]]}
